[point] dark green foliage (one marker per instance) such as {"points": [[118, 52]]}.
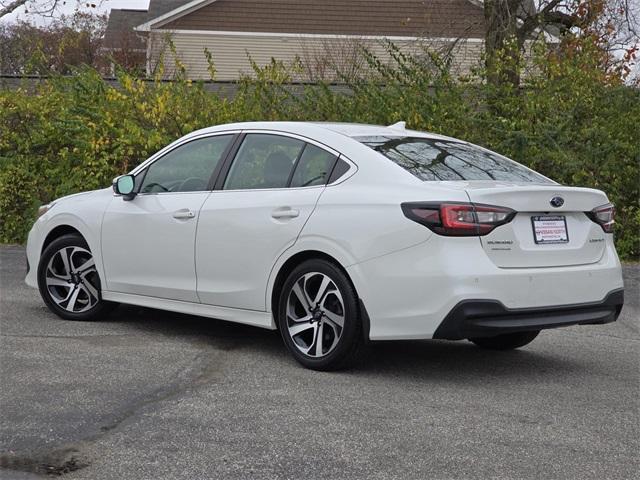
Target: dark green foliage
{"points": [[18, 201], [78, 133]]}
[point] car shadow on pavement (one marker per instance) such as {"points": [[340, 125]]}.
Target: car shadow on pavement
{"points": [[426, 359], [221, 334], [461, 361]]}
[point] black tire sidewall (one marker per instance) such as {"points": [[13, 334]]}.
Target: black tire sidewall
{"points": [[70, 240], [344, 352]]}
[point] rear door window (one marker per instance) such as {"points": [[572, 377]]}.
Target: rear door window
{"points": [[313, 168], [264, 161], [339, 170]]}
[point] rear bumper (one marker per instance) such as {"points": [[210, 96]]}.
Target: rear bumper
{"points": [[409, 293], [487, 318]]}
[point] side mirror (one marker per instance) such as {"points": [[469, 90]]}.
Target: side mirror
{"points": [[125, 185]]}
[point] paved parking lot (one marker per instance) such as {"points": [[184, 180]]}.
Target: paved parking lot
{"points": [[152, 395]]}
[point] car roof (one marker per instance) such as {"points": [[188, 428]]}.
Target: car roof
{"points": [[352, 130], [364, 130]]}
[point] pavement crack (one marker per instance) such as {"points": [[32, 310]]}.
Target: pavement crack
{"points": [[69, 457], [202, 373]]}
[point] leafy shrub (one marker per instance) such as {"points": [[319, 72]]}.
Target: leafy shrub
{"points": [[77, 133], [18, 203]]}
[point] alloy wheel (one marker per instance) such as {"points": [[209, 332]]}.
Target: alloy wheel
{"points": [[72, 280], [315, 314]]}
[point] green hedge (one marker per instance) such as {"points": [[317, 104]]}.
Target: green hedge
{"points": [[75, 134]]}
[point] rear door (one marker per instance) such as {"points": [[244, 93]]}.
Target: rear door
{"points": [[256, 212], [551, 227]]}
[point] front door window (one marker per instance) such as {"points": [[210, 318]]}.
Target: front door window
{"points": [[187, 168]]}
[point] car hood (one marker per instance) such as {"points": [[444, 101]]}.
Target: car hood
{"points": [[80, 194]]}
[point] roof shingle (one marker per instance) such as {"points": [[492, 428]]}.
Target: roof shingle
{"points": [[415, 18]]}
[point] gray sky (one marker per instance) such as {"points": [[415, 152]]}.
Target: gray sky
{"points": [[71, 5]]}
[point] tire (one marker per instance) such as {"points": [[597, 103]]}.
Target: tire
{"points": [[507, 341], [68, 280], [338, 303]]}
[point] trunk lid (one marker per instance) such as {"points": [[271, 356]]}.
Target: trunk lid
{"points": [[517, 245]]}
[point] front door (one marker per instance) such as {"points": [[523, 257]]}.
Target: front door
{"points": [[148, 242]]}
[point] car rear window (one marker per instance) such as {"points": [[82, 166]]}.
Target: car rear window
{"points": [[434, 160]]}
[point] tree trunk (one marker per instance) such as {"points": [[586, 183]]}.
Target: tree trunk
{"points": [[502, 46]]}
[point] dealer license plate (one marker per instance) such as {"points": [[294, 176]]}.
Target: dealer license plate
{"points": [[550, 229]]}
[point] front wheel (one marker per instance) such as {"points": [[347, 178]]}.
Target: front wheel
{"points": [[318, 316], [68, 280], [507, 341]]}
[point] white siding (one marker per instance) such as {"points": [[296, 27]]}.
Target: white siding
{"points": [[231, 52]]}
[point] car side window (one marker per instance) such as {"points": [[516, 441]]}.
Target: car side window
{"points": [[339, 170], [263, 161], [187, 168], [314, 167]]}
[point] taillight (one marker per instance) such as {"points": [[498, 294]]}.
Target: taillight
{"points": [[604, 216], [458, 219]]}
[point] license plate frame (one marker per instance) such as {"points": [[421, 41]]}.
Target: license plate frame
{"points": [[557, 233]]}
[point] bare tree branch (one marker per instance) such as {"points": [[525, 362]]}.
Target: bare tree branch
{"points": [[545, 16], [46, 8], [11, 6]]}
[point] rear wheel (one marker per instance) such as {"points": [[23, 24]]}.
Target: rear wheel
{"points": [[318, 316], [68, 280], [507, 341]]}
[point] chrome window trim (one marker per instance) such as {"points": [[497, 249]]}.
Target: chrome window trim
{"points": [[353, 168], [176, 144]]}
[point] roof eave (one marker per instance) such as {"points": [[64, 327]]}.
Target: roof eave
{"points": [[173, 14]]}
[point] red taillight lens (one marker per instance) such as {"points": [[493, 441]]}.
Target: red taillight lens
{"points": [[458, 219], [604, 216]]}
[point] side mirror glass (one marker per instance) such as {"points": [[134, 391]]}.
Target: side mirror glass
{"points": [[124, 186]]}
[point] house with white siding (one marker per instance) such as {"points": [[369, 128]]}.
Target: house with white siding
{"points": [[318, 35]]}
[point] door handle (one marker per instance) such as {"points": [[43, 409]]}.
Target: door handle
{"points": [[285, 212], [184, 213]]}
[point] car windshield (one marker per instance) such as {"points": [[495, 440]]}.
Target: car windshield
{"points": [[434, 159]]}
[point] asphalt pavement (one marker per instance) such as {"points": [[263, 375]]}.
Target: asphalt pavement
{"points": [[154, 395]]}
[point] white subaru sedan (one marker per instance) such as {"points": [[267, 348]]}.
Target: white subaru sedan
{"points": [[335, 235]]}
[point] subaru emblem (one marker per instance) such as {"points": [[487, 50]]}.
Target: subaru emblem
{"points": [[557, 202]]}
